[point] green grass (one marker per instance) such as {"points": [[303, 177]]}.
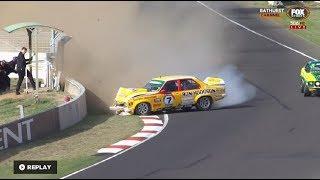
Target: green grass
{"points": [[10, 112], [73, 148], [9, 102]]}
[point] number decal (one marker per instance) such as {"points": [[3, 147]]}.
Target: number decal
{"points": [[168, 100]]}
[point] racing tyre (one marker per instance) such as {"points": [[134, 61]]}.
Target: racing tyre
{"points": [[204, 103], [306, 91], [142, 109]]}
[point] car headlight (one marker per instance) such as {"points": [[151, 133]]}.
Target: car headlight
{"points": [[317, 83]]}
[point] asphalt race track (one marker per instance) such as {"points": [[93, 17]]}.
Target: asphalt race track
{"points": [[275, 135]]}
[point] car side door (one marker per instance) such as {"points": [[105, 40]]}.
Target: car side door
{"points": [[171, 94], [189, 87]]}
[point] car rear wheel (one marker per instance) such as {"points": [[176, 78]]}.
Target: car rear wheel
{"points": [[142, 109], [204, 103]]}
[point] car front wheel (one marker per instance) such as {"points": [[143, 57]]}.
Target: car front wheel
{"points": [[306, 91], [204, 103], [142, 109]]}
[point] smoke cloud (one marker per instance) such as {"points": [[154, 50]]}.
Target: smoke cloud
{"points": [[126, 44], [238, 90], [156, 38]]}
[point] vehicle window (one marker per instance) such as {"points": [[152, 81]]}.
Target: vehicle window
{"points": [[171, 86], [315, 67], [188, 84], [307, 67], [154, 85]]}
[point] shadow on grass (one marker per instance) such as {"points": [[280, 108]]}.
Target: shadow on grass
{"points": [[88, 123], [13, 86]]}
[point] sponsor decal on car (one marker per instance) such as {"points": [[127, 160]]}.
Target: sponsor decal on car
{"points": [[198, 92], [168, 100]]}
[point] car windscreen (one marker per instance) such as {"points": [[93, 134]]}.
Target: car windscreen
{"points": [[154, 85], [315, 67]]}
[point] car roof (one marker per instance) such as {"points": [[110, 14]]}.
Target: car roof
{"points": [[175, 77]]}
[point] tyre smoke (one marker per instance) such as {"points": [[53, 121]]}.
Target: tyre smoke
{"points": [[238, 90]]}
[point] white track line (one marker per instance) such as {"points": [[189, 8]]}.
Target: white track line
{"points": [[166, 119], [254, 32]]}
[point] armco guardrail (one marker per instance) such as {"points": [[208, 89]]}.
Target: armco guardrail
{"points": [[46, 123]]}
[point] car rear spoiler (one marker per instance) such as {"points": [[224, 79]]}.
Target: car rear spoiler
{"points": [[214, 81]]}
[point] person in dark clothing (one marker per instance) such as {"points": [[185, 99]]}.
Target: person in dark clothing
{"points": [[21, 69], [11, 66], [3, 80], [4, 76], [8, 68]]}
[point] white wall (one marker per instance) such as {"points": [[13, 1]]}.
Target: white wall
{"points": [[73, 112]]}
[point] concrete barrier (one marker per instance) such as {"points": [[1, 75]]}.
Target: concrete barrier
{"points": [[74, 111], [46, 123]]}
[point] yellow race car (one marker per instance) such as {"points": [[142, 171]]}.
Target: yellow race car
{"points": [[169, 92]]}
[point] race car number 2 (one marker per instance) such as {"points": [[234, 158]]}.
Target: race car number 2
{"points": [[168, 100]]}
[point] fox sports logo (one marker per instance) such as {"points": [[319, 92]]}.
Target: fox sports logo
{"points": [[298, 13]]}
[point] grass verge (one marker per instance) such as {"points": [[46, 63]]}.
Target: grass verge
{"points": [[9, 102], [74, 148]]}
